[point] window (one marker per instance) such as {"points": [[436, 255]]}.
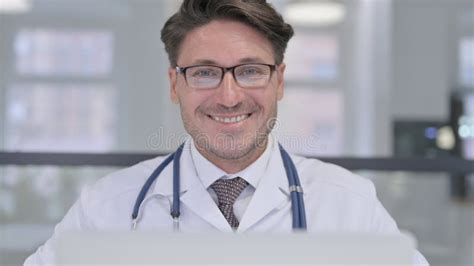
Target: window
{"points": [[60, 117], [52, 52], [312, 111], [314, 126], [313, 57], [466, 61], [62, 97]]}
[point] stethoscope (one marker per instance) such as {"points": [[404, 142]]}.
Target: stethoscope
{"points": [[296, 192]]}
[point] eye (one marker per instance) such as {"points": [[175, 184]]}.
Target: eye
{"points": [[204, 73], [252, 71]]}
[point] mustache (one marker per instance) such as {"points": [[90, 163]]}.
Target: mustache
{"points": [[224, 110]]}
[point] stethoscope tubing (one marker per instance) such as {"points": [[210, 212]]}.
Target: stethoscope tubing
{"points": [[296, 192], [148, 183]]}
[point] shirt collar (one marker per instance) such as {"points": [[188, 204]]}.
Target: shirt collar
{"points": [[208, 172]]}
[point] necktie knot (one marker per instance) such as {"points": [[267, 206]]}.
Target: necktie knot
{"points": [[228, 190]]}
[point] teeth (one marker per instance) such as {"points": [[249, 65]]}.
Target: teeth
{"points": [[228, 120]]}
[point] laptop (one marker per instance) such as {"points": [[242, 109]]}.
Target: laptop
{"points": [[135, 248]]}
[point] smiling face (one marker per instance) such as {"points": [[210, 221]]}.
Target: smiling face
{"points": [[229, 124]]}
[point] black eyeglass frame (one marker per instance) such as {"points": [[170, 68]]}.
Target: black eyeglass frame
{"points": [[182, 70]]}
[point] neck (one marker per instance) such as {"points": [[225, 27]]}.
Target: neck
{"points": [[232, 166]]}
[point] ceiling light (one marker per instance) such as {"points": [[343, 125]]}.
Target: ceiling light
{"points": [[315, 13], [14, 6]]}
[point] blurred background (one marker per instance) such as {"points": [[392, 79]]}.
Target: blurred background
{"points": [[365, 79]]}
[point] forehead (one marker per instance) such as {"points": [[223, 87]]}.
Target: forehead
{"points": [[225, 43]]}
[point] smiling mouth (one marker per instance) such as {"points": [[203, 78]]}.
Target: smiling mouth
{"points": [[230, 120]]}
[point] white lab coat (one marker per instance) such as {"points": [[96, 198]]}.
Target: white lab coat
{"points": [[335, 200]]}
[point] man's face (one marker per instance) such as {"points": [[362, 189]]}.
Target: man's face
{"points": [[226, 44]]}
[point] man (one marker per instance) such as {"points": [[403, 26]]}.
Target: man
{"points": [[227, 75]]}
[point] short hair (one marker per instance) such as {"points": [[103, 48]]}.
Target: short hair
{"points": [[257, 14]]}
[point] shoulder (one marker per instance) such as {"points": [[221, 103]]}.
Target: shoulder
{"points": [[122, 182], [315, 173]]}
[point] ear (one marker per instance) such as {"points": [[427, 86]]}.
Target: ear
{"points": [[280, 80], [173, 79]]}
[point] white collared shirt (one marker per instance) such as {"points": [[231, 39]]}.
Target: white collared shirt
{"points": [[208, 173]]}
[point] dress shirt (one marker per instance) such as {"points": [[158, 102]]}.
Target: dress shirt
{"points": [[208, 173]]}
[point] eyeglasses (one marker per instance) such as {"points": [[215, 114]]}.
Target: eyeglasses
{"points": [[210, 77]]}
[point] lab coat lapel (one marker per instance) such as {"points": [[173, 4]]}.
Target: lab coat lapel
{"points": [[271, 192], [195, 196], [198, 200]]}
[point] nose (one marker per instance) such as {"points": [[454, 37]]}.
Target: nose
{"points": [[229, 93]]}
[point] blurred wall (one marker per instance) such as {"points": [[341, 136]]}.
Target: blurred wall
{"points": [[426, 36]]}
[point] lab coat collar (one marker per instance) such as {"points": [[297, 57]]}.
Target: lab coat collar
{"points": [[164, 183]]}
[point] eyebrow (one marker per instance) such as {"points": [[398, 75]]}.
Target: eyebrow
{"points": [[251, 60], [241, 61]]}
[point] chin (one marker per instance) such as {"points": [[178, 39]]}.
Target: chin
{"points": [[230, 154], [232, 150]]}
